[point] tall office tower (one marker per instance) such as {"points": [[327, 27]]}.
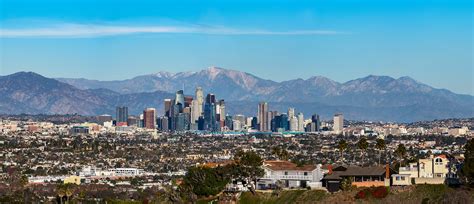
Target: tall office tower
{"points": [[167, 106], [291, 112], [262, 118], [182, 122], [201, 123], [195, 111], [300, 122], [175, 110], [338, 123], [210, 122], [188, 101], [179, 99], [229, 122], [293, 124], [281, 123], [164, 124], [149, 118], [200, 100], [236, 125], [121, 115], [255, 124], [248, 122], [210, 98], [316, 121], [240, 118], [269, 120], [218, 111], [222, 112]]}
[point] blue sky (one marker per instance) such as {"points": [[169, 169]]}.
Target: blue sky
{"points": [[428, 40]]}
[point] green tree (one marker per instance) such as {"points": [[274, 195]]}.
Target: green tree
{"points": [[205, 181], [247, 168], [342, 145], [380, 145], [468, 166], [346, 184], [363, 145]]}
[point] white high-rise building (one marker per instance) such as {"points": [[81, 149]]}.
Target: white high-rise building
{"points": [[195, 111], [300, 122], [338, 125], [200, 100], [236, 125], [291, 113], [293, 124]]}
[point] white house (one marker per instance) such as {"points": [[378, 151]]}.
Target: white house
{"points": [[292, 175], [432, 170]]}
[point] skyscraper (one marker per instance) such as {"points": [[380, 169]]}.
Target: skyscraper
{"points": [[195, 111], [262, 116], [210, 120], [293, 124], [211, 98], [121, 115], [221, 111], [291, 112], [317, 122], [149, 118], [200, 100], [300, 122], [167, 106], [179, 99], [338, 123]]}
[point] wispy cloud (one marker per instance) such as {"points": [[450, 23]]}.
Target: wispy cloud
{"points": [[69, 30]]}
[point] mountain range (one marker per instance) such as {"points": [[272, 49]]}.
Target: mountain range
{"points": [[370, 98]]}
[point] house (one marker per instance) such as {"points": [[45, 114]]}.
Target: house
{"points": [[433, 170], [359, 176], [72, 180], [291, 175]]}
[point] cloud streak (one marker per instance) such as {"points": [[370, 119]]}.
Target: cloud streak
{"points": [[91, 30]]}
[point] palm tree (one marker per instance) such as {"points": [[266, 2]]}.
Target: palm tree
{"points": [[401, 151], [363, 145], [342, 145], [380, 145]]}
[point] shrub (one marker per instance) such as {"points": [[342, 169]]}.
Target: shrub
{"points": [[361, 195], [379, 192], [375, 192]]}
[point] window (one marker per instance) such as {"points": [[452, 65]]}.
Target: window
{"points": [[403, 178], [438, 161], [286, 172], [397, 178], [305, 173]]}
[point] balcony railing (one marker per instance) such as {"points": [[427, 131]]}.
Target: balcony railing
{"points": [[288, 177], [408, 169]]}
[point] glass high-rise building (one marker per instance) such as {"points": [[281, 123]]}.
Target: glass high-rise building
{"points": [[121, 115], [179, 98]]}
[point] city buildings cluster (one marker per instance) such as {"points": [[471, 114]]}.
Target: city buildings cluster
{"points": [[199, 113]]}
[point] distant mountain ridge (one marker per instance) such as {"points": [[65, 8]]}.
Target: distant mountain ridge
{"points": [[369, 98]]}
